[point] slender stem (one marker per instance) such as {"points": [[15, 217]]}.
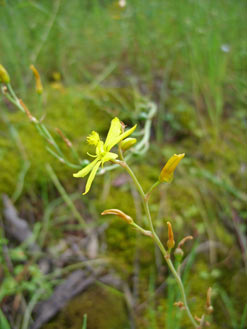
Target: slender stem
{"points": [[182, 290], [164, 252], [13, 98], [65, 196], [152, 188], [43, 131]]}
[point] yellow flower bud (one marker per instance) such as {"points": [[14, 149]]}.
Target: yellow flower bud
{"points": [[39, 87], [170, 242], [118, 213], [166, 174], [127, 143], [4, 76], [93, 138]]}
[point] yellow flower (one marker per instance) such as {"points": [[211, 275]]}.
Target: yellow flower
{"points": [[4, 76], [103, 154], [166, 174]]}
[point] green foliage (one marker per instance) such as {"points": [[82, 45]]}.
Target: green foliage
{"points": [[189, 57], [84, 325], [194, 48], [25, 278], [76, 111], [3, 321]]}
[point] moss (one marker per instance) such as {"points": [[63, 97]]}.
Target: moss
{"points": [[76, 111], [122, 240], [10, 166], [104, 307], [192, 201]]}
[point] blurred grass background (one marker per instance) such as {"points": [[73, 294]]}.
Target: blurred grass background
{"points": [[98, 60]]}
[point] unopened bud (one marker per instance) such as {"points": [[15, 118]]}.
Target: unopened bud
{"points": [[4, 76], [166, 174], [4, 90], [170, 242], [185, 239], [127, 143], [39, 86], [118, 213], [179, 304], [209, 307], [178, 253]]}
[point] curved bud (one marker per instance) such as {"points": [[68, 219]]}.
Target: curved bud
{"points": [[166, 174], [179, 304], [185, 239], [118, 213], [39, 86], [170, 242], [127, 143], [4, 76]]}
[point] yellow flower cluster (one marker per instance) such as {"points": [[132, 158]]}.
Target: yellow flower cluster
{"points": [[115, 135]]}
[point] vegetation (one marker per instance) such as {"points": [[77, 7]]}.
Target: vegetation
{"points": [[177, 70]]}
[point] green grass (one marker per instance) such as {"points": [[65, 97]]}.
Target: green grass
{"points": [[177, 45]]}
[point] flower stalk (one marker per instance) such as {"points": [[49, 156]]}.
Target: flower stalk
{"points": [[156, 239]]}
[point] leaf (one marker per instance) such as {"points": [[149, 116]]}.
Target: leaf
{"points": [[4, 324]]}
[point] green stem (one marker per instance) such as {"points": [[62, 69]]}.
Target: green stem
{"points": [[65, 196], [164, 252], [43, 131], [152, 188]]}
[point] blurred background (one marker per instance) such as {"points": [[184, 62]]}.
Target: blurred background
{"points": [[99, 59]]}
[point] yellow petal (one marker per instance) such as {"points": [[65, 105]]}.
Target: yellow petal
{"points": [[166, 174], [100, 148], [108, 157], [91, 177], [93, 138], [83, 172], [113, 133], [124, 135]]}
